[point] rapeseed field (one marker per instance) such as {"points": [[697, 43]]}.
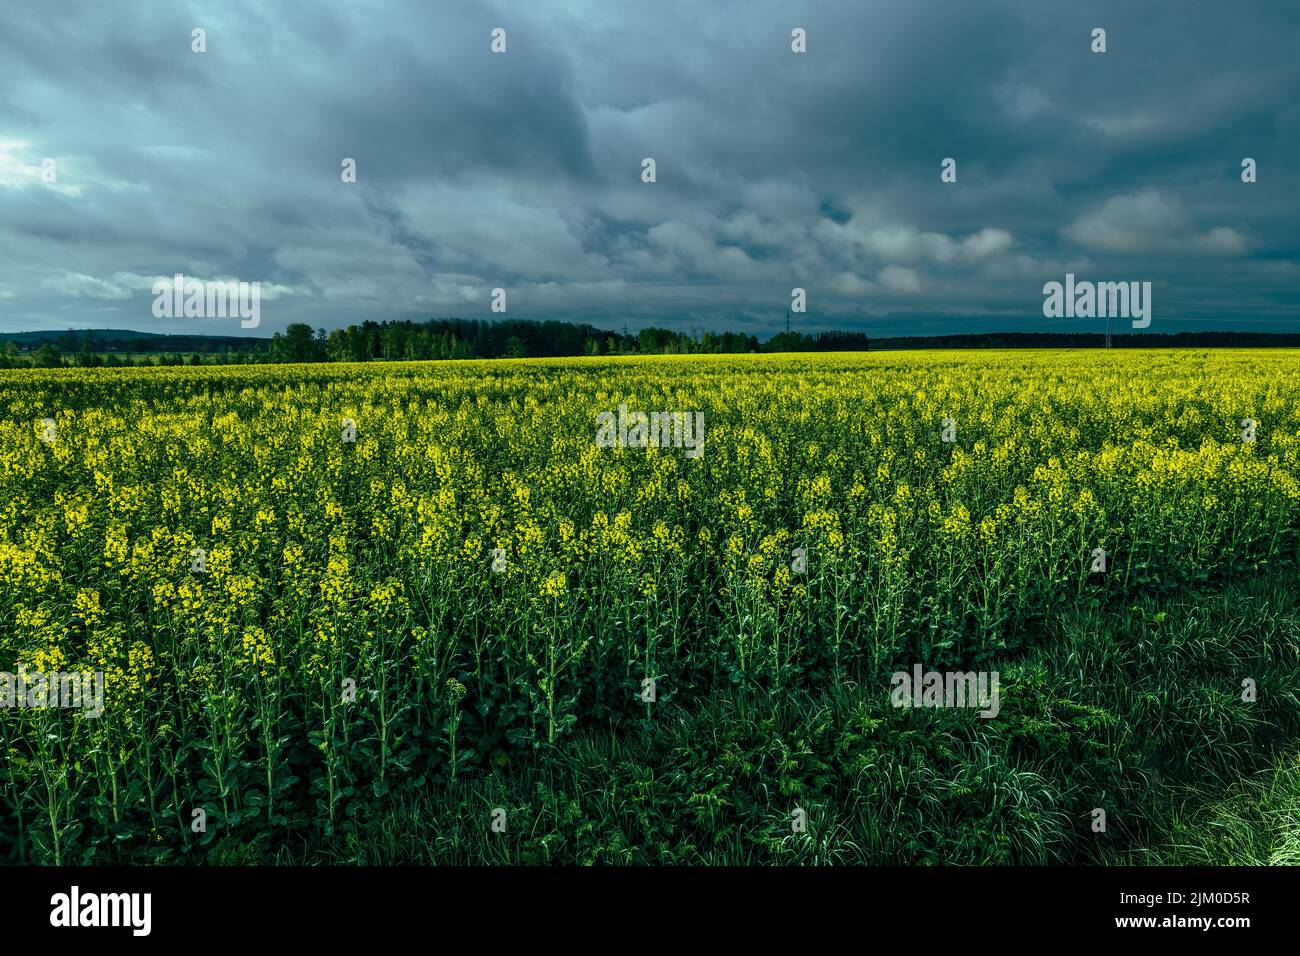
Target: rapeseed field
{"points": [[428, 612]]}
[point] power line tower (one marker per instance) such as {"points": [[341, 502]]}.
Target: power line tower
{"points": [[787, 321], [1109, 319]]}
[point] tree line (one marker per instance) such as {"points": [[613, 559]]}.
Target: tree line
{"points": [[477, 339], [414, 341], [516, 338]]}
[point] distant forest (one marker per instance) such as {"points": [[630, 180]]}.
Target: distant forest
{"points": [[394, 341], [513, 338]]}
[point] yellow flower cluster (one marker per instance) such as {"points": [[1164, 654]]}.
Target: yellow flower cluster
{"points": [[204, 519]]}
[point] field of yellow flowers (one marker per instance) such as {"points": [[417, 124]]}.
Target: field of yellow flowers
{"points": [[417, 612]]}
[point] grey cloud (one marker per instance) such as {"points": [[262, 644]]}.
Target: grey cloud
{"points": [[775, 170]]}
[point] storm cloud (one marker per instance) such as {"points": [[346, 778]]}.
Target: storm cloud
{"points": [[774, 169]]}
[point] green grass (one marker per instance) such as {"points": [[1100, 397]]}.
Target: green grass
{"points": [[1256, 822]]}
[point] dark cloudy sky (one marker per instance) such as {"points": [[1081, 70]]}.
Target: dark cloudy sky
{"points": [[775, 170]]}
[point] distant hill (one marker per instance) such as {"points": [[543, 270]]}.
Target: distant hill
{"points": [[1091, 340], [129, 340]]}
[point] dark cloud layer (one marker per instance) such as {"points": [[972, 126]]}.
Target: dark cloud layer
{"points": [[775, 169]]}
